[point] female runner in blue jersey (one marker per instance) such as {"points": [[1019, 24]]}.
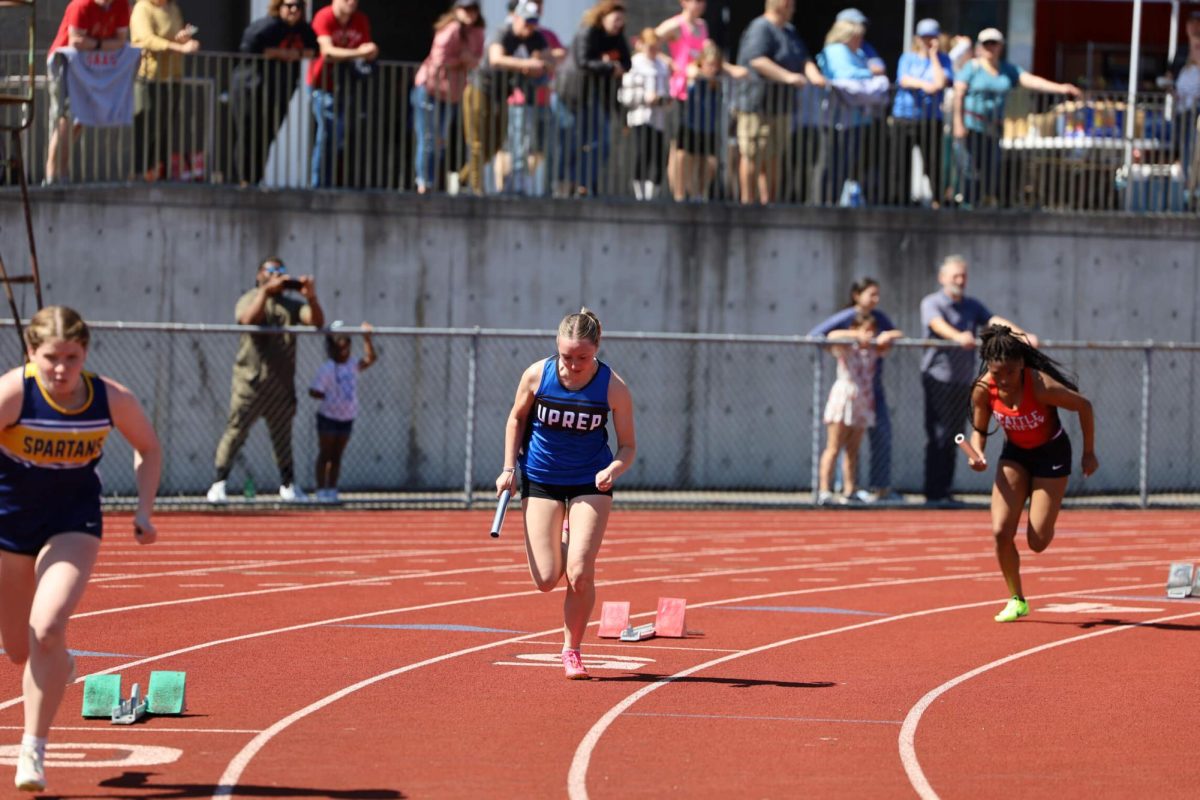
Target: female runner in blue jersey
{"points": [[558, 430], [54, 418]]}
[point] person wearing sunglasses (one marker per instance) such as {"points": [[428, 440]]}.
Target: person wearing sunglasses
{"points": [[264, 374], [279, 40]]}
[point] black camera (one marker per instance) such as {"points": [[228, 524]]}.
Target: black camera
{"points": [[293, 284]]}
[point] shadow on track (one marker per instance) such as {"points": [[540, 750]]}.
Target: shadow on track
{"points": [[145, 790], [1123, 623], [741, 683]]}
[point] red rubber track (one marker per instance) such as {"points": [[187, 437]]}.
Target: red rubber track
{"points": [[844, 654]]}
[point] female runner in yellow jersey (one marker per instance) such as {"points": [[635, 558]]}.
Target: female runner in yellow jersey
{"points": [[54, 418]]}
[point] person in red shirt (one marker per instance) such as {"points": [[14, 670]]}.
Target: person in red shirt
{"points": [[86, 25], [343, 35], [1021, 389]]}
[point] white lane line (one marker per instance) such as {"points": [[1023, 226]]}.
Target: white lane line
{"points": [[577, 774], [908, 731], [238, 764]]}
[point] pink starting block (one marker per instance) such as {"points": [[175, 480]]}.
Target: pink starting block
{"points": [[614, 618], [670, 621]]}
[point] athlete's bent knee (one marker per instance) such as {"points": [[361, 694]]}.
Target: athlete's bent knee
{"points": [[581, 578], [1004, 537], [50, 636], [1039, 540]]}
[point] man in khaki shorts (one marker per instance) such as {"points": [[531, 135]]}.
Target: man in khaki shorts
{"points": [[778, 64]]}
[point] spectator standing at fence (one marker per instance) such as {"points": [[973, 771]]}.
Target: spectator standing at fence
{"points": [[923, 75], [1183, 77], [850, 410], [86, 25], [515, 57], [856, 105], [685, 35], [855, 17], [587, 88], [1022, 389], [164, 136], [336, 386], [557, 433], [344, 43], [264, 372], [266, 85], [56, 417], [646, 91], [778, 64], [701, 119], [980, 90], [864, 299], [947, 372], [437, 93]]}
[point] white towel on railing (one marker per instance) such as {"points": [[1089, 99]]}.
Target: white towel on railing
{"points": [[100, 85]]}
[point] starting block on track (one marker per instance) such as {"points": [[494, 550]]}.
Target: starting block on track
{"points": [[614, 618], [1182, 582], [670, 621], [165, 696]]}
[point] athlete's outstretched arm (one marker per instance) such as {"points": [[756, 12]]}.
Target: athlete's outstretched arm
{"points": [[1053, 393], [135, 426], [514, 430], [621, 402], [981, 416]]}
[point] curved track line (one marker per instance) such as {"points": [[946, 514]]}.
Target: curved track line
{"points": [[908, 731], [241, 760], [577, 774]]}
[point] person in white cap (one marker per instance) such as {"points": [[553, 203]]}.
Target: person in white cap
{"points": [[980, 90], [923, 75]]}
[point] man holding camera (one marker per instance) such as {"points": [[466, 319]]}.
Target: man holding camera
{"points": [[265, 371]]}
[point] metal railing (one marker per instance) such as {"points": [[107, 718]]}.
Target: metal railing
{"points": [[720, 418], [235, 119]]}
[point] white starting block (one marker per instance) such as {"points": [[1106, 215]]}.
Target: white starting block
{"points": [[638, 633], [129, 711], [1182, 581]]}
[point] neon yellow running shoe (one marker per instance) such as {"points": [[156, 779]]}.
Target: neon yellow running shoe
{"points": [[1014, 610]]}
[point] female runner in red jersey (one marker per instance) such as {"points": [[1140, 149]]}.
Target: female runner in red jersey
{"points": [[1022, 389]]}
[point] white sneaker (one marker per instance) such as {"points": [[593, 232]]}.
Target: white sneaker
{"points": [[216, 493], [291, 493], [31, 774]]}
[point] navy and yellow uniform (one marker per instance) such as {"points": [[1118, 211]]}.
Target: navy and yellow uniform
{"points": [[48, 480], [566, 442]]}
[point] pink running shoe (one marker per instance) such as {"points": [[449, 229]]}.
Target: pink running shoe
{"points": [[573, 666]]}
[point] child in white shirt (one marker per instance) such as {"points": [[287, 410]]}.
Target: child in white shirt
{"points": [[336, 386]]}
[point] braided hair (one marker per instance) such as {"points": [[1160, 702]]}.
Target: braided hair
{"points": [[999, 343]]}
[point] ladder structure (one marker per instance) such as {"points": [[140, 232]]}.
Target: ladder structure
{"points": [[17, 95]]}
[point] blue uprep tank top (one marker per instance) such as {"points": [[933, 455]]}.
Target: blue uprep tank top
{"points": [[566, 441], [51, 453]]}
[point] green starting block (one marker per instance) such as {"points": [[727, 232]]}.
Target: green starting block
{"points": [[164, 697]]}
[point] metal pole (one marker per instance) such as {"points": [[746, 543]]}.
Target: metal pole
{"points": [[1172, 46], [816, 425], [910, 24], [1135, 47], [1144, 449], [469, 469], [1173, 40]]}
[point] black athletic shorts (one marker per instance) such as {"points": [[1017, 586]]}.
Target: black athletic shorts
{"points": [[1050, 460], [26, 532], [553, 491]]}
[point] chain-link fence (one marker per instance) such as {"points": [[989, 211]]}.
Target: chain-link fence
{"points": [[720, 418]]}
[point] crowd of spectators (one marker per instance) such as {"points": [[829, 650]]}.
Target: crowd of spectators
{"points": [[509, 107]]}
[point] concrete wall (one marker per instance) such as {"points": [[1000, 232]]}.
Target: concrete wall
{"points": [[729, 417], [183, 255]]}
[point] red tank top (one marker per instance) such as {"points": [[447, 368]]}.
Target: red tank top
{"points": [[1031, 424]]}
